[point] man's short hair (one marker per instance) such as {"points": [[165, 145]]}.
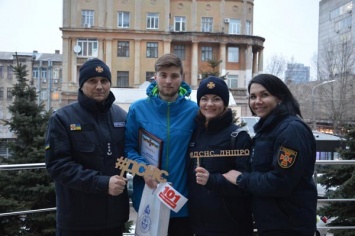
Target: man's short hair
{"points": [[168, 60]]}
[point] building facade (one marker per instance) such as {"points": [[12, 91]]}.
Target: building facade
{"points": [[335, 91], [335, 22], [129, 35], [297, 73], [44, 73]]}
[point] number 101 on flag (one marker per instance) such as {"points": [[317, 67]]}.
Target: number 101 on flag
{"points": [[170, 197]]}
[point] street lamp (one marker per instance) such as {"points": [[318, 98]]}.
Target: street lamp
{"points": [[314, 126]]}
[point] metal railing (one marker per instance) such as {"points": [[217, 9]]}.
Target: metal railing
{"points": [[42, 166], [336, 162]]}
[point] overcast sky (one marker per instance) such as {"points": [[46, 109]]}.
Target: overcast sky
{"points": [[290, 27]]}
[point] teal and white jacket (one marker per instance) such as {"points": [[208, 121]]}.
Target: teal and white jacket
{"points": [[171, 122]]}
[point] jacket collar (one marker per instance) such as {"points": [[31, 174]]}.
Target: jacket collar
{"points": [[93, 106], [276, 116], [216, 124], [184, 90]]}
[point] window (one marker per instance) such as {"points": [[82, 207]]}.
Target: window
{"points": [[9, 93], [87, 18], [234, 26], [232, 81], [88, 47], [1, 71], [44, 95], [152, 50], [248, 28], [233, 54], [149, 76], [44, 73], [122, 79], [123, 49], [35, 73], [206, 53], [348, 7], [123, 19], [343, 24], [9, 72], [180, 23], [207, 24], [1, 93], [152, 21], [179, 50], [56, 73]]}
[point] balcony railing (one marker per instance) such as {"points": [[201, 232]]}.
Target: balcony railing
{"points": [[42, 165]]}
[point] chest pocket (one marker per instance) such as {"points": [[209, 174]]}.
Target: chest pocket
{"points": [[262, 154], [83, 137]]}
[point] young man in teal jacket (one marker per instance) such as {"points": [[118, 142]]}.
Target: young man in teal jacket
{"points": [[167, 115]]}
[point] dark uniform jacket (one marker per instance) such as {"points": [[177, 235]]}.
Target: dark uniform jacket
{"points": [[84, 140], [282, 161], [218, 208]]}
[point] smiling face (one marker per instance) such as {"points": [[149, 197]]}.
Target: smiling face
{"points": [[261, 101], [169, 80], [211, 106], [97, 88]]}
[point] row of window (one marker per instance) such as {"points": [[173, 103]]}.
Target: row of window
{"points": [[44, 73], [89, 48], [43, 94], [346, 8], [152, 22], [35, 73], [343, 24], [123, 79]]}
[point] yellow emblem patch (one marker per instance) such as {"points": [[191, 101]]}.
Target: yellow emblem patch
{"points": [[211, 85], [99, 69], [287, 157]]}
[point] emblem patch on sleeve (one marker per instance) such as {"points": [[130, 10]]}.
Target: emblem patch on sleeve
{"points": [[287, 157]]}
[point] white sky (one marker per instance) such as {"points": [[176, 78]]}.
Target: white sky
{"points": [[290, 27]]}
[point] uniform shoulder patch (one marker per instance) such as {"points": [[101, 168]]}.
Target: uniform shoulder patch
{"points": [[286, 157]]}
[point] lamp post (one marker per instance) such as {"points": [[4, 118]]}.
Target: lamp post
{"points": [[314, 126]]}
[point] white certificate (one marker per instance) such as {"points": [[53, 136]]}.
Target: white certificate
{"points": [[150, 147]]}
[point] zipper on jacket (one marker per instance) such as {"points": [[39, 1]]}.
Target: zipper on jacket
{"points": [[168, 139]]}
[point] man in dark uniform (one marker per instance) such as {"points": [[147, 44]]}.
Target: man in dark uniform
{"points": [[83, 141]]}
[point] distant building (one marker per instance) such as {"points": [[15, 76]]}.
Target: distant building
{"points": [[297, 73], [336, 55], [44, 73], [335, 22], [130, 35]]}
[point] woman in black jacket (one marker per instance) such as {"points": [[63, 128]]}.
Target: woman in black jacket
{"points": [[282, 162], [216, 206]]}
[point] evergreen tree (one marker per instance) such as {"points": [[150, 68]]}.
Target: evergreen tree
{"points": [[343, 178], [212, 64], [26, 189]]}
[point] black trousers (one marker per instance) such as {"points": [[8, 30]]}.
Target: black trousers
{"points": [[282, 233], [105, 232], [179, 226]]}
